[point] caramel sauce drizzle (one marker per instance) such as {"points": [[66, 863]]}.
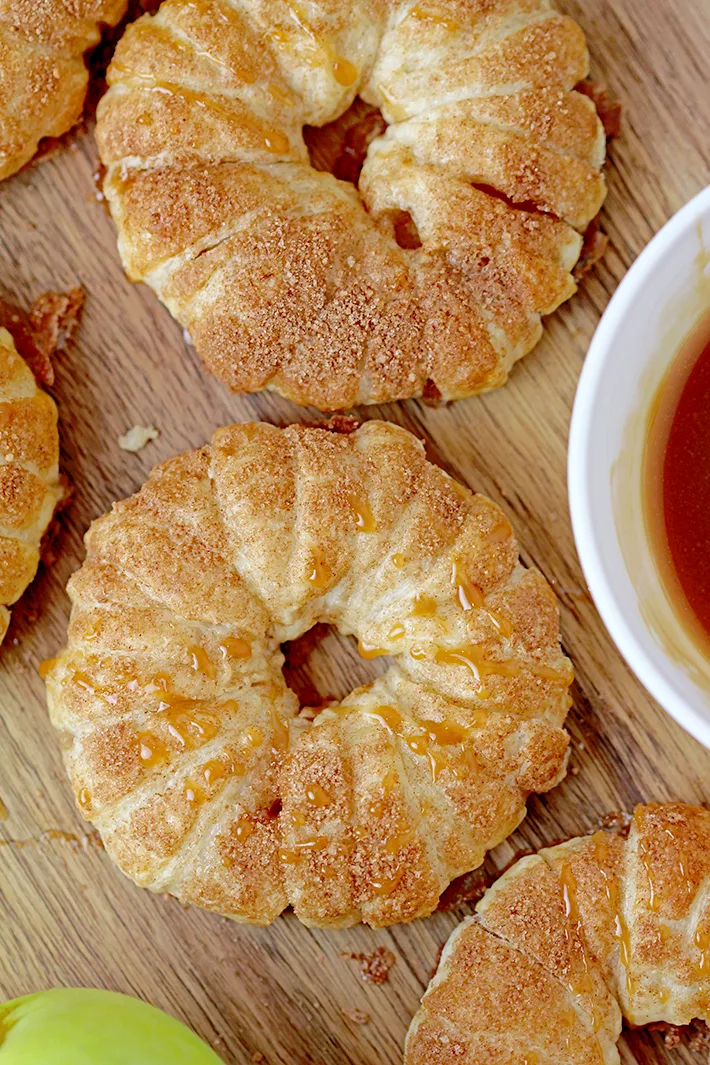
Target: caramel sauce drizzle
{"points": [[701, 940], [399, 561], [343, 71], [574, 928], [364, 518], [473, 657], [382, 886], [235, 647], [290, 855], [318, 796], [321, 575], [600, 847], [439, 20], [273, 140], [46, 667], [369, 650], [201, 662], [244, 829], [471, 597]]}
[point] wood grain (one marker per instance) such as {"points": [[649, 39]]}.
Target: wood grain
{"points": [[67, 917]]}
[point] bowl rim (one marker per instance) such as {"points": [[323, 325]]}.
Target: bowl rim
{"points": [[591, 555]]}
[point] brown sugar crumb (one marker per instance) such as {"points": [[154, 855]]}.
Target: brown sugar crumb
{"points": [[618, 821], [356, 1015], [594, 246], [375, 966], [431, 396], [54, 317], [608, 108], [696, 1035], [342, 423], [465, 889]]}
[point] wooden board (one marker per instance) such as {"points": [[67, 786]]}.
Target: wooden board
{"points": [[67, 917]]}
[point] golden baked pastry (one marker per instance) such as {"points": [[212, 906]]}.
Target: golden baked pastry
{"points": [[29, 474], [286, 278], [182, 740], [570, 941], [43, 76]]}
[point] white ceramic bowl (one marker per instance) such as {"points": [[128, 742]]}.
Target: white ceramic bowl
{"points": [[656, 306]]}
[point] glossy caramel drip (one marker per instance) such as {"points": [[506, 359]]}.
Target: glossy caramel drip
{"points": [[600, 846], [318, 796], [320, 575], [389, 716], [253, 736], [369, 650], [471, 597], [194, 793], [151, 749], [444, 732], [701, 940], [364, 518], [189, 726], [272, 140], [244, 829], [396, 632], [235, 647], [399, 561], [417, 653], [500, 532], [216, 769], [93, 630], [84, 798], [344, 72], [382, 886], [279, 733], [427, 607], [576, 928], [46, 667], [297, 818], [400, 840], [422, 15], [424, 607], [472, 656], [201, 662], [290, 855]]}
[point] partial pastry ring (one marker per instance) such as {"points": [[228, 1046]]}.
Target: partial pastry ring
{"points": [[468, 224], [30, 486], [182, 740], [570, 941], [43, 74]]}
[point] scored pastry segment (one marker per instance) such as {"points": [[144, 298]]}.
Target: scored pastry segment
{"points": [[30, 486], [182, 740], [572, 940], [42, 46], [437, 270]]}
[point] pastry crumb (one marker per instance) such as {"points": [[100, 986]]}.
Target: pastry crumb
{"points": [[137, 437], [357, 1016], [374, 967]]}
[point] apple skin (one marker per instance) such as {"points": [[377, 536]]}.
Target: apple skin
{"points": [[78, 1026]]}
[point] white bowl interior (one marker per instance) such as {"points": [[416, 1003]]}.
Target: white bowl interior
{"points": [[658, 303]]}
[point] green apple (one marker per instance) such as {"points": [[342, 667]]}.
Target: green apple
{"points": [[77, 1026]]}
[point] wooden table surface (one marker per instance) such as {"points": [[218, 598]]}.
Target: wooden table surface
{"points": [[67, 917]]}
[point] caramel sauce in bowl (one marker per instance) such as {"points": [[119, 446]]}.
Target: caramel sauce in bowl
{"points": [[631, 371]]}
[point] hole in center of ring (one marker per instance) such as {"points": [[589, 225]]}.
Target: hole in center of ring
{"points": [[340, 147], [322, 667]]}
